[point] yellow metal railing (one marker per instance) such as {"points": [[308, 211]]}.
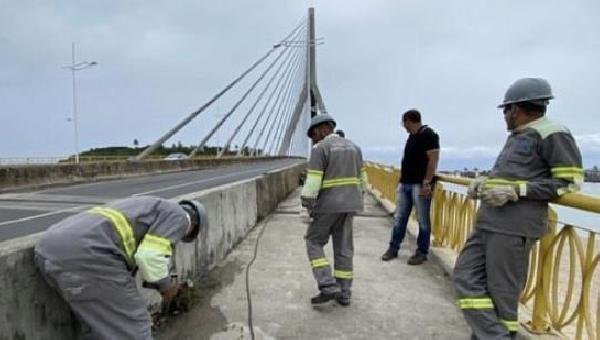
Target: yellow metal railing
{"points": [[563, 286]]}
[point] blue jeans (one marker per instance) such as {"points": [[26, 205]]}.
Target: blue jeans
{"points": [[408, 196]]}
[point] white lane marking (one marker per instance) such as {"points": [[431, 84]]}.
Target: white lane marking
{"points": [[27, 218], [196, 182], [81, 207]]}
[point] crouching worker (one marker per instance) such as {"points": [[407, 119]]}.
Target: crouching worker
{"points": [[91, 259]]}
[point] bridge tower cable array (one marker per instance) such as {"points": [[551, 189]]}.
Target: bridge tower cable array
{"points": [[277, 116], [276, 103], [310, 93], [287, 112], [283, 75], [295, 71], [216, 97], [240, 101], [255, 104]]}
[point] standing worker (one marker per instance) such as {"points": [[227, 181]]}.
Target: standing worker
{"points": [[419, 164], [539, 162], [91, 259], [333, 194]]}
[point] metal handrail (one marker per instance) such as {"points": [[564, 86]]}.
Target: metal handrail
{"points": [[563, 285]]}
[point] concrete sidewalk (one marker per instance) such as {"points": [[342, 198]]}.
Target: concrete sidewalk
{"points": [[391, 300]]}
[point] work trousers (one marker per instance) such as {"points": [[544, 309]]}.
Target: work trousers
{"points": [[489, 275], [339, 227], [107, 308]]}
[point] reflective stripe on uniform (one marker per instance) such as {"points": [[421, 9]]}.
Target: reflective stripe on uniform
{"points": [[313, 183], [158, 243], [476, 303], [493, 182], [519, 185], [343, 274], [123, 229], [152, 257], [320, 262], [571, 173], [338, 182], [512, 326]]}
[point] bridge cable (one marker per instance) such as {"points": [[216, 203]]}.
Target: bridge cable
{"points": [[277, 117], [289, 110], [238, 103], [194, 114], [267, 102], [258, 99], [282, 110], [275, 103]]}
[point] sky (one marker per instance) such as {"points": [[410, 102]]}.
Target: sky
{"points": [[159, 61]]}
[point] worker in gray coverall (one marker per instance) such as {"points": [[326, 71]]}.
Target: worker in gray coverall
{"points": [[539, 162], [333, 194], [91, 258]]}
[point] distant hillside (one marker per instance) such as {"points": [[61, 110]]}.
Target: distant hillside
{"points": [[162, 151]]}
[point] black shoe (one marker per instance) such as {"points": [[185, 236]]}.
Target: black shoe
{"points": [[389, 254], [344, 301], [323, 298], [417, 259]]}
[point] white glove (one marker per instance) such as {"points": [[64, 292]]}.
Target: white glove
{"points": [[476, 187], [498, 196]]}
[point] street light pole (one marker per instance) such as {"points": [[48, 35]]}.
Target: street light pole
{"points": [[77, 67], [75, 118]]}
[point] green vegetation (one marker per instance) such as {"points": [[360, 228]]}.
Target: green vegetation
{"points": [[161, 152]]}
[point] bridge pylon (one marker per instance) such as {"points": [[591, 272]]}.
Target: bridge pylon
{"points": [[310, 94]]}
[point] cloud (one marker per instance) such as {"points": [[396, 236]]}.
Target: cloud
{"points": [[160, 61], [469, 152], [590, 142]]}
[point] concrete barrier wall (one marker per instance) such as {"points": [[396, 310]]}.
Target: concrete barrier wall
{"points": [[29, 309], [39, 175]]}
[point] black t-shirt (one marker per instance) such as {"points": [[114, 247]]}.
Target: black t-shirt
{"points": [[414, 162]]}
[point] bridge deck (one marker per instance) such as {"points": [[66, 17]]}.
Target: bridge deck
{"points": [[392, 300]]}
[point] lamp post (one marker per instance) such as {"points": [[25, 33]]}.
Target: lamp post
{"points": [[82, 65]]}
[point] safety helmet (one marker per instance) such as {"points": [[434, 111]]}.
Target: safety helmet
{"points": [[318, 120], [197, 214], [534, 90], [340, 133]]}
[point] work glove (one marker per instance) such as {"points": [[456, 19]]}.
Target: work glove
{"points": [[476, 187], [498, 196]]}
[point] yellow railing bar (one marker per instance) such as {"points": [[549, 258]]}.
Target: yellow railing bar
{"points": [[574, 200]]}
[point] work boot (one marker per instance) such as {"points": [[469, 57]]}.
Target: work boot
{"points": [[417, 259], [343, 300], [323, 298], [389, 254]]}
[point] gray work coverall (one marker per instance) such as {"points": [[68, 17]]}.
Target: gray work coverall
{"points": [[333, 194], [541, 161], [89, 258]]}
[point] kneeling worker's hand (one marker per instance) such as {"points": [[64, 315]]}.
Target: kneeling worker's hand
{"points": [[169, 294]]}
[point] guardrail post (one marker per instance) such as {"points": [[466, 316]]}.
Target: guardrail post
{"points": [[539, 319]]}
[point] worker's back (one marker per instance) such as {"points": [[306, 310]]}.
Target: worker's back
{"points": [[90, 242], [341, 162]]}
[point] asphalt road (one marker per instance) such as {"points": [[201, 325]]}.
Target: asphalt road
{"points": [[31, 212]]}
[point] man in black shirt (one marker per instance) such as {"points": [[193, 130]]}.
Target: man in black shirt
{"points": [[419, 164]]}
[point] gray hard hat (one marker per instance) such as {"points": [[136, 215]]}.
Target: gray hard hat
{"points": [[318, 120], [534, 90], [197, 213]]}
